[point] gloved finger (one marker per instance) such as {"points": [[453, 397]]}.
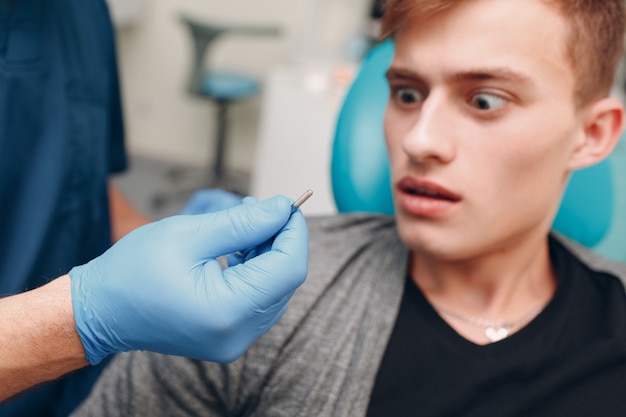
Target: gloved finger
{"points": [[243, 255], [277, 272], [249, 199], [258, 250], [249, 253], [252, 199], [235, 259], [241, 227], [262, 248], [293, 238], [210, 200], [280, 313]]}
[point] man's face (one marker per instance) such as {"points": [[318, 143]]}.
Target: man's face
{"points": [[480, 126]]}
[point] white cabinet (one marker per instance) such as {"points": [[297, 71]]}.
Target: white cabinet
{"points": [[297, 127]]}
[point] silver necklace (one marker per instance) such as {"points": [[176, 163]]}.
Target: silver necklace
{"points": [[494, 330]]}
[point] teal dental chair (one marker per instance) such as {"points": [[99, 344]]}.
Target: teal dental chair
{"points": [[593, 210]]}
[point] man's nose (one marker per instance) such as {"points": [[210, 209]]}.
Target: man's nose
{"points": [[430, 139]]}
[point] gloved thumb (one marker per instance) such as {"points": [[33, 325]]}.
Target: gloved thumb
{"points": [[240, 227]]}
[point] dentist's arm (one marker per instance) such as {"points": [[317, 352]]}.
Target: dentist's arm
{"points": [[160, 288], [38, 338]]}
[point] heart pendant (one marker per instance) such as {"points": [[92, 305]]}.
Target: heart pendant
{"points": [[496, 334]]}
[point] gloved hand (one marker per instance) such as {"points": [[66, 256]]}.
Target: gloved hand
{"points": [[209, 201], [160, 288]]}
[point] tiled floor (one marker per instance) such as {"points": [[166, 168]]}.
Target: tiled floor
{"points": [[140, 183]]}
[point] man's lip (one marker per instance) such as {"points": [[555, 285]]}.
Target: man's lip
{"points": [[426, 188]]}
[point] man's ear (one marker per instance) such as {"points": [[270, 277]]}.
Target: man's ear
{"points": [[602, 129]]}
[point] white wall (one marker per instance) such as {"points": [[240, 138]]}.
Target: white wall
{"points": [[162, 120]]}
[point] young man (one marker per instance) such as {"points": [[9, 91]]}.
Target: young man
{"points": [[464, 304]]}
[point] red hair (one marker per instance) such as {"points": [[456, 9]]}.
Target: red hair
{"points": [[595, 40]]}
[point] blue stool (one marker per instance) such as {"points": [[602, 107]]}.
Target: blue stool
{"points": [[593, 210], [222, 89]]}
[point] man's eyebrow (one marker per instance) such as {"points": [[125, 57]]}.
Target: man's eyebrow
{"points": [[496, 74], [399, 73], [475, 74]]}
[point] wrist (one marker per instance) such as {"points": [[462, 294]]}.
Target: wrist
{"points": [[52, 317], [98, 311], [38, 337], [60, 296]]}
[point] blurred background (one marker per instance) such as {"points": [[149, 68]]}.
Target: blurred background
{"points": [[302, 71]]}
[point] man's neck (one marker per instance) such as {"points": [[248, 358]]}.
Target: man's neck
{"points": [[500, 286]]}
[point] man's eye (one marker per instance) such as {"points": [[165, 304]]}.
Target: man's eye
{"points": [[407, 95], [483, 101]]}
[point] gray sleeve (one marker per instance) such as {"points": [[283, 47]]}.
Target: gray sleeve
{"points": [[149, 384]]}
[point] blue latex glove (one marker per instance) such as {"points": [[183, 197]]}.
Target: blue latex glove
{"points": [[209, 201], [160, 288]]}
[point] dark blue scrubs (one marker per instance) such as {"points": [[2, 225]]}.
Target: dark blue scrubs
{"points": [[61, 135]]}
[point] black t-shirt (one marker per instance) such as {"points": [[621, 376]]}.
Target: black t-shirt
{"points": [[569, 361]]}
